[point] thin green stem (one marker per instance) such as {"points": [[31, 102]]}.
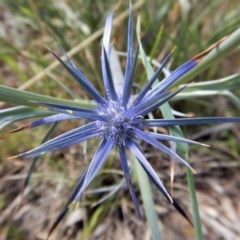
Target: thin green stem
{"points": [[147, 199], [194, 204]]}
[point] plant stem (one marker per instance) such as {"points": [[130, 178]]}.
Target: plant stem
{"points": [[194, 204]]}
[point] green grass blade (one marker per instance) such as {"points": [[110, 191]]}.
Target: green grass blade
{"points": [[222, 49], [227, 83], [147, 199], [194, 204], [153, 51], [10, 115], [205, 93], [167, 113], [66, 88], [19, 97], [165, 108], [156, 43]]}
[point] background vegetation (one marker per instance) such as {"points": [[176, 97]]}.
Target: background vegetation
{"points": [[26, 26]]}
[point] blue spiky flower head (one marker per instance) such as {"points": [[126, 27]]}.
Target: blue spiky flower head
{"points": [[118, 119]]}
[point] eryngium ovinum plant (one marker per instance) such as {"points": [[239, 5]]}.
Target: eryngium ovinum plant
{"points": [[119, 119]]}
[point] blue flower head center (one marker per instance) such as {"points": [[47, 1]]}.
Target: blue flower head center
{"points": [[117, 125]]}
